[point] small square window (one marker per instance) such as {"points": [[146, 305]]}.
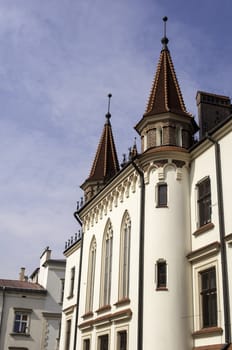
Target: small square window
{"points": [[162, 197], [21, 322]]}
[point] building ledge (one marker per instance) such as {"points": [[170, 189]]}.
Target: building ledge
{"points": [[204, 332], [201, 253], [106, 319], [211, 347], [203, 229], [122, 302], [87, 315], [104, 308]]}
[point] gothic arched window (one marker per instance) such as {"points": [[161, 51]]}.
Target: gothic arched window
{"points": [[91, 275], [107, 246], [124, 268]]}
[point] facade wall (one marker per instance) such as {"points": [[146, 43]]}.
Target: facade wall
{"points": [[34, 305], [168, 311], [204, 238], [70, 299], [128, 201]]}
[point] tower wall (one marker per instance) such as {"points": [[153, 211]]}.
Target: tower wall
{"points": [[167, 311]]}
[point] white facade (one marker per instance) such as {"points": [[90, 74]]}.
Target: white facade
{"points": [[69, 307], [156, 256]]}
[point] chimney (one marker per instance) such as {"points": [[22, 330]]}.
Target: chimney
{"points": [[46, 255], [22, 274], [212, 109]]}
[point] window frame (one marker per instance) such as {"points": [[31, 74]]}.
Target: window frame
{"points": [[91, 276], [86, 341], [204, 202], [122, 331], [26, 329], [68, 331], [72, 281], [208, 296], [124, 256], [164, 202], [106, 265], [99, 339], [160, 275], [198, 268]]}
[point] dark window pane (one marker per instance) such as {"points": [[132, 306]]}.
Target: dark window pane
{"points": [[122, 340], [161, 274], [204, 202], [86, 344], [209, 298], [103, 342], [162, 195]]}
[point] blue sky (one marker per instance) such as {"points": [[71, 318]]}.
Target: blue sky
{"points": [[58, 61]]}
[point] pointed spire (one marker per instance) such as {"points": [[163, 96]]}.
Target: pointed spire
{"points": [[105, 164], [166, 121], [165, 93]]}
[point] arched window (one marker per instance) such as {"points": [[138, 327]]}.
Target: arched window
{"points": [[124, 268], [91, 275], [107, 246]]}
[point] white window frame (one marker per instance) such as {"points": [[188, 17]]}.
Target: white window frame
{"points": [[121, 328], [197, 304], [22, 323]]}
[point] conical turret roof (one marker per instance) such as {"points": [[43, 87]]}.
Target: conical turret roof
{"points": [[105, 163], [165, 95]]}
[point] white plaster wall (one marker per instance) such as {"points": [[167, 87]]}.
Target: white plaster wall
{"points": [[203, 166], [132, 205], [27, 301], [167, 313], [71, 261], [226, 161]]}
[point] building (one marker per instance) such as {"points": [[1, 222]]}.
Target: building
{"points": [[30, 309], [155, 256]]}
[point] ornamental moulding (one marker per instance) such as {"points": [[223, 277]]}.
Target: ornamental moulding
{"points": [[112, 199]]}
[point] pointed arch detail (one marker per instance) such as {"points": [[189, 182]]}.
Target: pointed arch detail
{"points": [[106, 264], [91, 275], [124, 257]]}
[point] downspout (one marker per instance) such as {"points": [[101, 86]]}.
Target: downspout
{"points": [[225, 278], [141, 259], [79, 281], [3, 305]]}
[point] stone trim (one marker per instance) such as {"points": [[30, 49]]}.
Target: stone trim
{"points": [[107, 319], [201, 253], [204, 332], [203, 229]]}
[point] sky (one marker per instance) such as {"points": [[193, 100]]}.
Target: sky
{"points": [[59, 59]]}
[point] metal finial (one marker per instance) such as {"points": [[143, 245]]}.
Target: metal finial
{"points": [[108, 115], [165, 40]]}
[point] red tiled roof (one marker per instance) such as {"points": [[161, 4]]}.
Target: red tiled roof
{"points": [[16, 284], [165, 93]]}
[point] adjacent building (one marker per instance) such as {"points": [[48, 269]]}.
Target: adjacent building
{"points": [[30, 308]]}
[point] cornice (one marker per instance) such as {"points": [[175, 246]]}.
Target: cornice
{"points": [[218, 133]]}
